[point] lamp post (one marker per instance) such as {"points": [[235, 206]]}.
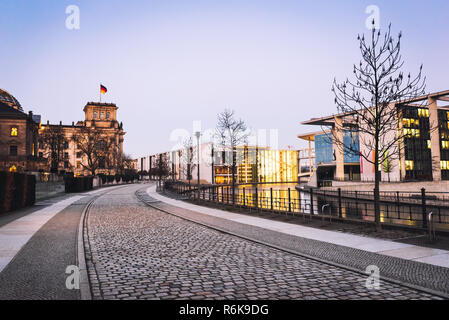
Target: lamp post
{"points": [[198, 134]]}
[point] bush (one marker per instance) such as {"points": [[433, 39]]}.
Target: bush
{"points": [[110, 178], [17, 190], [78, 184]]}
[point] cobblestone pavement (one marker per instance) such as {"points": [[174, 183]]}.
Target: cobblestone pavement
{"points": [[137, 252]]}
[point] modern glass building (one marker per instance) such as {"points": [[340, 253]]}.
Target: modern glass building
{"points": [[421, 143]]}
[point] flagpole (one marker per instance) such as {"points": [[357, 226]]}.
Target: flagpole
{"points": [[100, 92]]}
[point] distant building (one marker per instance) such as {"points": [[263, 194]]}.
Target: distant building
{"points": [[424, 147], [18, 136], [99, 117], [254, 165]]}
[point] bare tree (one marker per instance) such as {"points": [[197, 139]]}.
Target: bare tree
{"points": [[96, 148], [162, 169], [126, 162], [188, 159], [369, 101], [53, 142], [230, 134]]}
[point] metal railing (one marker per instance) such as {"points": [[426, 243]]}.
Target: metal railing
{"points": [[403, 208]]}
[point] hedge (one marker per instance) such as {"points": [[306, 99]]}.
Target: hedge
{"points": [[78, 184], [17, 190]]}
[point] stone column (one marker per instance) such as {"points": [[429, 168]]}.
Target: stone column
{"points": [[339, 155], [434, 139]]}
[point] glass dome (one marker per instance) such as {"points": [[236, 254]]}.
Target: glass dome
{"points": [[9, 99]]}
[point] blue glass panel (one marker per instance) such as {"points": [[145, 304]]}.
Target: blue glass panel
{"points": [[351, 140], [323, 149]]}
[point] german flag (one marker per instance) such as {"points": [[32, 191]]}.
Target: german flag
{"points": [[103, 89]]}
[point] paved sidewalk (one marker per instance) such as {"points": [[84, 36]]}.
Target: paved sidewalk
{"points": [[431, 256], [15, 234]]}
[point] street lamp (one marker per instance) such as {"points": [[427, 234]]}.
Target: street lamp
{"points": [[198, 135]]}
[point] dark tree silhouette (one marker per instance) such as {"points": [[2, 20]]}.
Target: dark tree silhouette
{"points": [[368, 101]]}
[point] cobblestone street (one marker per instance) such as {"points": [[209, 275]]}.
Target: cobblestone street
{"points": [[137, 252]]}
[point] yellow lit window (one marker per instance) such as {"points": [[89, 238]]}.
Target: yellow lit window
{"points": [[14, 132], [409, 133], [408, 164], [445, 144], [423, 113], [13, 168], [444, 165], [428, 144]]}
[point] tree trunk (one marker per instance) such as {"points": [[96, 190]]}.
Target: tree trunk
{"points": [[376, 186]]}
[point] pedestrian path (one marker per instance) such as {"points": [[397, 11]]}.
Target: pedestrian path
{"points": [[431, 256], [16, 234]]}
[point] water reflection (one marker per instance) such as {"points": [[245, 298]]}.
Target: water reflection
{"points": [[285, 197]]}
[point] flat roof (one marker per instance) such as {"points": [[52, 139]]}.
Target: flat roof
{"points": [[329, 120]]}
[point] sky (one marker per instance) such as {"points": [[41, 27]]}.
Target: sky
{"points": [[168, 64]]}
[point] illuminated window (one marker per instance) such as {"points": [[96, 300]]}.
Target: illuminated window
{"points": [[408, 164], [423, 113], [14, 132], [444, 165], [411, 133], [428, 144], [445, 144], [13, 168]]}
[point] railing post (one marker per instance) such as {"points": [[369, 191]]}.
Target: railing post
{"points": [[271, 198], [244, 197], [398, 204], [340, 213], [222, 194], [289, 201], [311, 201], [424, 215], [257, 199]]}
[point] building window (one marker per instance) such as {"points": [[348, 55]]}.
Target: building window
{"points": [[66, 155], [13, 168], [41, 145], [445, 144], [101, 163], [41, 155], [95, 114], [444, 165], [423, 113], [79, 154], [101, 115], [409, 165], [14, 132], [66, 164], [66, 145], [429, 144], [411, 133], [13, 150], [108, 115]]}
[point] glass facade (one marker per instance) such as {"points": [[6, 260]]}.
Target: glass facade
{"points": [[443, 121], [418, 159], [323, 149], [257, 165]]}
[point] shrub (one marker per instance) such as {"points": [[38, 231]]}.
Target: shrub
{"points": [[17, 190]]}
